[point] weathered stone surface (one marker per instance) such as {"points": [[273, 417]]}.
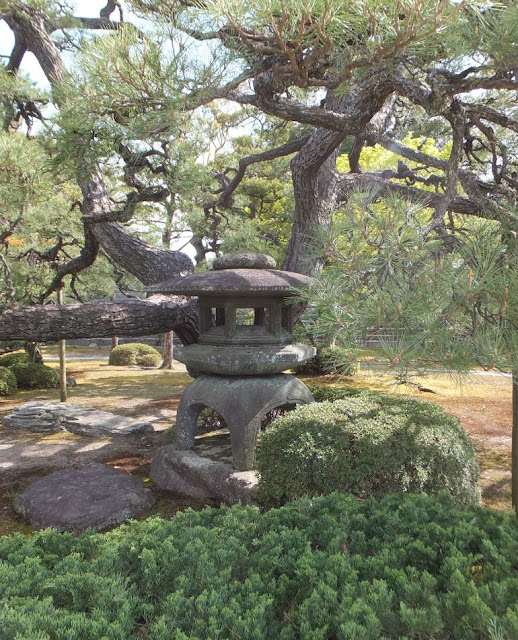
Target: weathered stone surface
{"points": [[94, 497], [186, 473], [244, 260], [236, 282], [242, 403], [234, 360], [55, 416]]}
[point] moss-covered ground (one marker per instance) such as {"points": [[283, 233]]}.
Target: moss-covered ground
{"points": [[481, 402]]}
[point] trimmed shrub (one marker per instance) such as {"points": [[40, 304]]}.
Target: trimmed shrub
{"points": [[15, 357], [149, 360], [35, 376], [366, 445], [322, 569], [329, 361], [7, 381], [134, 354]]}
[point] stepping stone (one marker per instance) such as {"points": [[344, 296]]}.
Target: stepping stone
{"points": [[49, 417], [94, 497]]}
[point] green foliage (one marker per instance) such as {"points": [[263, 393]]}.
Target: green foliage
{"points": [[458, 308], [318, 27], [35, 376], [366, 445], [6, 346], [323, 392], [8, 383], [329, 361], [318, 569], [15, 357], [149, 360], [134, 354]]}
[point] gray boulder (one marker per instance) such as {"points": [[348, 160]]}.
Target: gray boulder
{"points": [[94, 497], [86, 421]]}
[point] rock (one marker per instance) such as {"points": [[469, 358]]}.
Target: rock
{"points": [[53, 416], [94, 497], [244, 260], [186, 473]]}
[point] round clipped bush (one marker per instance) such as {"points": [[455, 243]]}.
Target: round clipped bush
{"points": [[149, 360], [15, 357], [329, 361], [325, 568], [134, 354], [35, 376], [366, 445], [7, 381]]}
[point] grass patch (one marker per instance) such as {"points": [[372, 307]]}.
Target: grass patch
{"points": [[482, 403]]}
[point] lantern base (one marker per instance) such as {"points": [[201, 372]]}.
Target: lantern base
{"points": [[243, 403]]}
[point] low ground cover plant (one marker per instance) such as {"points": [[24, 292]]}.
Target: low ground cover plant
{"points": [[7, 381], [35, 376], [134, 354], [366, 444], [318, 569]]}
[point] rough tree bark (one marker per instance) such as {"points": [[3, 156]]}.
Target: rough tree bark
{"points": [[167, 350], [100, 319], [149, 264]]}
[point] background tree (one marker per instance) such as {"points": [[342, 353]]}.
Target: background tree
{"points": [[349, 75], [456, 309]]}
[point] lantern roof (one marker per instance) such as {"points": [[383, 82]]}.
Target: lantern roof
{"points": [[237, 282]]}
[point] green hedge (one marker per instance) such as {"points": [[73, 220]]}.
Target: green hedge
{"points": [[329, 568], [366, 445], [329, 361], [35, 376], [15, 357], [7, 381], [135, 354]]}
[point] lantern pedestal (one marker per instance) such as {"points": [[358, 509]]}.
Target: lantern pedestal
{"points": [[243, 403]]}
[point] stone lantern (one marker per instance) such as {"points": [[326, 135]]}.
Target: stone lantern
{"points": [[245, 343]]}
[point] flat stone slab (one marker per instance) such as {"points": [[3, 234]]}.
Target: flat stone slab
{"points": [[189, 474], [240, 360], [94, 497], [50, 417]]}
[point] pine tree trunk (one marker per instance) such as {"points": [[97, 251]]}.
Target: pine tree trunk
{"points": [[114, 343], [34, 352], [167, 362], [62, 360], [315, 187]]}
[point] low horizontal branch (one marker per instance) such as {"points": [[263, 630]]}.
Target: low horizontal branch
{"points": [[384, 187], [48, 323]]}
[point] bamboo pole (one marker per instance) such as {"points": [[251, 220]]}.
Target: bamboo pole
{"points": [[62, 360], [514, 449]]}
